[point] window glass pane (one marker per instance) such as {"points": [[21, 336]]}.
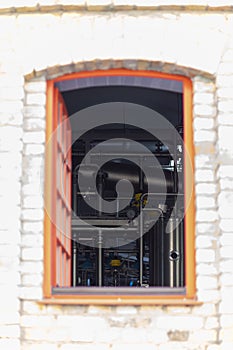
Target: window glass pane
{"points": [[156, 257]]}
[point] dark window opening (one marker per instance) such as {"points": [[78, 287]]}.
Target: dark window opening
{"points": [[155, 259]]}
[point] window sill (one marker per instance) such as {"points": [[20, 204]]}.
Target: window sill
{"points": [[119, 300]]}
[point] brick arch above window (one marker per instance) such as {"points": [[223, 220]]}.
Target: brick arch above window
{"points": [[102, 65]]}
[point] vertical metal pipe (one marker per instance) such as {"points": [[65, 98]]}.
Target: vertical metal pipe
{"points": [[141, 260], [141, 176], [74, 261], [100, 189], [153, 256], [74, 237], [171, 248], [177, 248], [181, 235], [141, 246], [174, 253], [100, 240], [141, 225], [117, 207], [74, 193], [161, 234]]}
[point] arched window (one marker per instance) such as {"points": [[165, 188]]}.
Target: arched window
{"points": [[104, 127]]}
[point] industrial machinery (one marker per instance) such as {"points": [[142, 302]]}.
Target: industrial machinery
{"points": [[132, 257]]}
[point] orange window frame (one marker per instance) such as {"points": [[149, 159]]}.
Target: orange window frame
{"points": [[189, 246]]}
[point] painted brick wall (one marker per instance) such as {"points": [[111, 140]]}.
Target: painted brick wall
{"points": [[35, 46]]}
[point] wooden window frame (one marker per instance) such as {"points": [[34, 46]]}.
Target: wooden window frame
{"points": [[189, 248]]}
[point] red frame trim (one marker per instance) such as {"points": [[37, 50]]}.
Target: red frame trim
{"points": [[190, 275]]}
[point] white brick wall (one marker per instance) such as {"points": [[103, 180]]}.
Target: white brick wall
{"points": [[225, 196], [37, 41]]}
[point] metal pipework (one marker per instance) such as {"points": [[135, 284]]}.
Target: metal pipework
{"points": [[118, 171], [173, 253], [160, 210], [101, 177], [114, 172], [74, 262], [100, 253], [141, 251]]}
